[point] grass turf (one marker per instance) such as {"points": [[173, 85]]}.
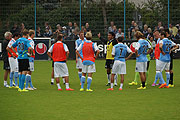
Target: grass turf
{"points": [[46, 103]]}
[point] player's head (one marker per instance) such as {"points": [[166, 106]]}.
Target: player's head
{"points": [[163, 34], [111, 35], [25, 33], [156, 34], [139, 35], [120, 39], [59, 37], [81, 35], [16, 36], [31, 33], [8, 35], [167, 32], [88, 35]]}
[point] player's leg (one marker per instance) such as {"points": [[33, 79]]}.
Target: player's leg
{"points": [[167, 74], [162, 66], [31, 63], [83, 78], [112, 82], [6, 72], [171, 84], [122, 81], [89, 80], [79, 67], [90, 70], [16, 73], [108, 70], [57, 75], [122, 72], [141, 67], [135, 79], [52, 73]]}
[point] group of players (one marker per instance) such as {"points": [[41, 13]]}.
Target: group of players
{"points": [[86, 53], [18, 57]]}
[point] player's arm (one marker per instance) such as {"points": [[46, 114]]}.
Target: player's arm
{"points": [[113, 52], [150, 50], [136, 49], [77, 51], [160, 47], [102, 39], [96, 50], [67, 51], [175, 46], [50, 51], [129, 51]]}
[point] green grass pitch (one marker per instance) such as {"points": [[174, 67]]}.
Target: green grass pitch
{"points": [[46, 103]]}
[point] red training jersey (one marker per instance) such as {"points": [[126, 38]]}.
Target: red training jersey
{"points": [[157, 51], [59, 54], [88, 52]]}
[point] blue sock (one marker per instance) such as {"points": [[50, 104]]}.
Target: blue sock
{"points": [[15, 78], [22, 81], [89, 80], [27, 81], [80, 75], [30, 81], [156, 77], [20, 76], [168, 78], [11, 78], [161, 78], [82, 81]]}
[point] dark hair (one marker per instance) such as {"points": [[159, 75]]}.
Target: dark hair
{"points": [[120, 39], [139, 35], [155, 31], [167, 31], [163, 33], [112, 33], [25, 32], [59, 37], [16, 35]]}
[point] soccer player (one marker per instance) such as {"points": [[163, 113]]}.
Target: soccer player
{"points": [[8, 36], [31, 62], [109, 58], [13, 61], [24, 50], [166, 46], [88, 52], [141, 51], [78, 59], [119, 52], [60, 55]]}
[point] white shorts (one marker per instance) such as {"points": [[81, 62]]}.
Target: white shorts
{"points": [[89, 68], [31, 65], [119, 67], [60, 70], [160, 65], [141, 67], [13, 64], [79, 64]]}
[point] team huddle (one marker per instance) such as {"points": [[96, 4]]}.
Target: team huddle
{"points": [[21, 59]]}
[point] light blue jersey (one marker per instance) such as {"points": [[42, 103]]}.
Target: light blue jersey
{"points": [[22, 45], [142, 47], [78, 43], [119, 51], [167, 44]]}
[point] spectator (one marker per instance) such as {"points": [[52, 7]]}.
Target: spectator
{"points": [[69, 31], [76, 27], [178, 35], [22, 28], [173, 30], [47, 33], [159, 25], [38, 32], [120, 33], [156, 35], [130, 30], [75, 35], [115, 31], [153, 44], [149, 33], [87, 27], [145, 31], [110, 29], [58, 31], [46, 24], [15, 29]]}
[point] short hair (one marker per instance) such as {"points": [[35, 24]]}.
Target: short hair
{"points": [[112, 33], [59, 37], [81, 32], [25, 32], [31, 32], [163, 33], [6, 34], [167, 31], [120, 39], [16, 35], [156, 31], [139, 35], [88, 35]]}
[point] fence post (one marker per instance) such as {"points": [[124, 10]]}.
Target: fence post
{"points": [[168, 14], [35, 17], [80, 15], [124, 19]]}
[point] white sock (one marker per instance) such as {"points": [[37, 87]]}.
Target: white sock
{"points": [[52, 79], [63, 80], [58, 85], [112, 85], [121, 85], [109, 78], [67, 85], [5, 82]]}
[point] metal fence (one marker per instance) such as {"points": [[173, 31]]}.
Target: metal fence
{"points": [[50, 17]]}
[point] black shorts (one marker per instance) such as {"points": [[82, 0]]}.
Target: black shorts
{"points": [[6, 65], [109, 64], [23, 65], [52, 63]]}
